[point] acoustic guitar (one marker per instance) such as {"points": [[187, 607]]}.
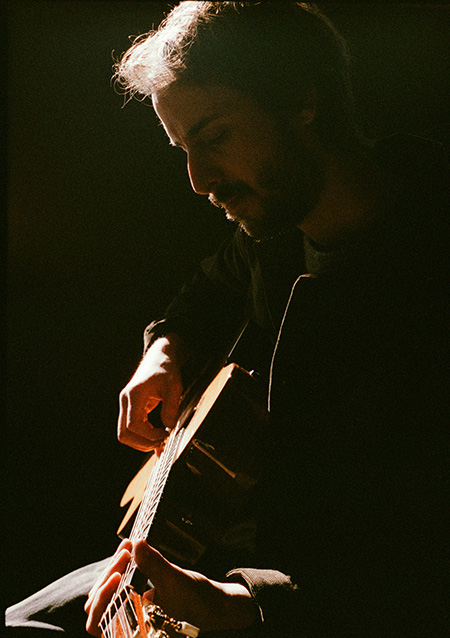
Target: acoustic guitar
{"points": [[189, 498]]}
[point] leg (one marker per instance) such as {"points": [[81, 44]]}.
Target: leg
{"points": [[57, 607]]}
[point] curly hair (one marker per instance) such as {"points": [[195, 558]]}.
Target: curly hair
{"points": [[273, 51]]}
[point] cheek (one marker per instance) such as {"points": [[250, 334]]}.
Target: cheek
{"points": [[275, 174], [253, 155], [293, 169]]}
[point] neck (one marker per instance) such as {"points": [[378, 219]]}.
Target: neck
{"points": [[356, 193]]}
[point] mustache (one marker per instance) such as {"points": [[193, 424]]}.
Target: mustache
{"points": [[225, 192]]}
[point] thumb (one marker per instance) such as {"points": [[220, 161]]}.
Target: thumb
{"points": [[152, 564]]}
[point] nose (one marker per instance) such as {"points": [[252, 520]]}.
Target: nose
{"points": [[203, 173]]}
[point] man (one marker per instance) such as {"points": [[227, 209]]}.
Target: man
{"points": [[340, 259]]}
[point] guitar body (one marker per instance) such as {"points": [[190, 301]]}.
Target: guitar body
{"points": [[218, 462], [189, 499]]}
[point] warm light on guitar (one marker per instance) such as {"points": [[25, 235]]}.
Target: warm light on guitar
{"points": [[130, 616], [210, 464]]}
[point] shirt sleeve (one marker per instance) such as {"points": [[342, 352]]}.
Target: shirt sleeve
{"points": [[212, 307], [276, 597]]}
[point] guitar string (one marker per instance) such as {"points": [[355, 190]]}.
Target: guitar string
{"points": [[123, 620], [132, 607], [144, 519], [142, 524], [128, 574], [112, 614], [150, 504], [106, 624], [150, 495], [147, 509], [118, 605]]}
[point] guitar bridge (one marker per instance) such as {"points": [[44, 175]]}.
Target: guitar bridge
{"points": [[129, 615], [159, 624]]}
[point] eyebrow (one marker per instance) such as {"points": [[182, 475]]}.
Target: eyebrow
{"points": [[197, 127], [195, 130]]}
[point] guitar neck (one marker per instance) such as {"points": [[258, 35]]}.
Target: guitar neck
{"points": [[153, 492], [123, 611], [211, 462]]}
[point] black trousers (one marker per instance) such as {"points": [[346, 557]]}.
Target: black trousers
{"points": [[56, 608]]}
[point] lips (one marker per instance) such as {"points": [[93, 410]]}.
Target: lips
{"points": [[227, 195]]}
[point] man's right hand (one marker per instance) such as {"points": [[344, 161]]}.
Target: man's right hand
{"points": [[182, 593], [157, 379]]}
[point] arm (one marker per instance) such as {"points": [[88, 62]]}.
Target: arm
{"points": [[199, 327]]}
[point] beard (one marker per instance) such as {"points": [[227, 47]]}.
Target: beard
{"points": [[285, 192]]}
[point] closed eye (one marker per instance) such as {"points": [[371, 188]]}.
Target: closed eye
{"points": [[215, 139]]}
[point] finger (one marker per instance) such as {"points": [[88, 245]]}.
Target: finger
{"points": [[153, 564], [179, 592], [138, 442], [125, 435], [149, 561], [94, 590], [118, 563], [137, 418], [171, 404], [100, 603]]}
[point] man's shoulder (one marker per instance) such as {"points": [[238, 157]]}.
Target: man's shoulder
{"points": [[414, 158]]}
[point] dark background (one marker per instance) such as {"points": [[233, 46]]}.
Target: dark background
{"points": [[102, 229]]}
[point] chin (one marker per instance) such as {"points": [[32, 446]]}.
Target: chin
{"points": [[251, 222], [276, 219], [251, 227], [259, 231]]}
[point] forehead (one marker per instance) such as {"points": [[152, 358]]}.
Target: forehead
{"points": [[185, 109]]}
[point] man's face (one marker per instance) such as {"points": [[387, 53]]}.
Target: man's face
{"points": [[247, 161]]}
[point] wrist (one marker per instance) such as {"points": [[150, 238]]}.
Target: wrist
{"points": [[173, 347], [239, 606]]}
